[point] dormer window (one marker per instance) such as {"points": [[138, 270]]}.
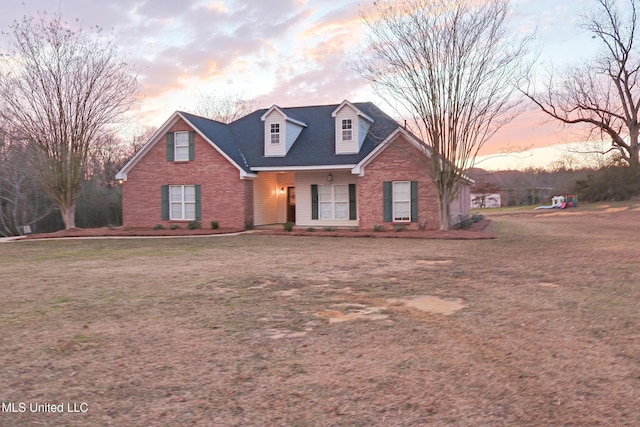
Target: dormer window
{"points": [[351, 128], [347, 130], [280, 132], [275, 133]]}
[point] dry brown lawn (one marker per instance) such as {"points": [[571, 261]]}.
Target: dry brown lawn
{"points": [[538, 327]]}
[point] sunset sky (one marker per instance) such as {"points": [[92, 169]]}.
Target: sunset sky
{"points": [[285, 52]]}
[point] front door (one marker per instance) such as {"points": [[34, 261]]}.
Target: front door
{"points": [[291, 204]]}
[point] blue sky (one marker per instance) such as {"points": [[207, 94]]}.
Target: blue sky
{"points": [[285, 52]]}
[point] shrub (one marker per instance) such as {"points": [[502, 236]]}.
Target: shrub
{"points": [[329, 229], [158, 227], [194, 225], [288, 226], [215, 225], [174, 226], [311, 229], [399, 227], [477, 217], [467, 221], [378, 227]]}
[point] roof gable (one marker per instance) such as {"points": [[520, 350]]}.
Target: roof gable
{"points": [[348, 104], [283, 114], [210, 130]]}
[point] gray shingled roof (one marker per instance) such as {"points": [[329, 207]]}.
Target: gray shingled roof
{"points": [[243, 139]]}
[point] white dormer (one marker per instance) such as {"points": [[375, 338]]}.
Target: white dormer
{"points": [[351, 127], [280, 132]]}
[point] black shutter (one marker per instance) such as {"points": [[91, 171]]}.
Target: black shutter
{"points": [[164, 204], [314, 201], [198, 204], [170, 148], [192, 145], [387, 201], [414, 201], [353, 211]]}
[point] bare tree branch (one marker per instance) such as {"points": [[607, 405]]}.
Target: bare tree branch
{"points": [[602, 95]]}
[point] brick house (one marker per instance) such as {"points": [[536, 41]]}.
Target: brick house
{"points": [[346, 165]]}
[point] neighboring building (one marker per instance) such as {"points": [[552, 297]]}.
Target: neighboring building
{"points": [[346, 165], [485, 200]]}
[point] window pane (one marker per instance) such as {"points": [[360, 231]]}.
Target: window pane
{"points": [[402, 211], [341, 193], [189, 211], [325, 193], [325, 211], [342, 210], [182, 139], [176, 211], [190, 193], [176, 193], [402, 191], [181, 153]]}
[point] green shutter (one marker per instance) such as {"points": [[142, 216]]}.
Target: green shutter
{"points": [[170, 148], [314, 201], [164, 197], [353, 212], [192, 145], [198, 204], [387, 201], [414, 201]]}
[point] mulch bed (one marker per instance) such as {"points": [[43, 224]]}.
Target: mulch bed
{"points": [[479, 230]]}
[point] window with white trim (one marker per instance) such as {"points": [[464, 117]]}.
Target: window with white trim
{"points": [[275, 133], [347, 131], [333, 201], [181, 144], [182, 202], [401, 201]]}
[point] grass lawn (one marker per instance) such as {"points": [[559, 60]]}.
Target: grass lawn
{"points": [[537, 327]]}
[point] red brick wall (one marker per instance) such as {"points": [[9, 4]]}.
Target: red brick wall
{"points": [[400, 161], [224, 196]]}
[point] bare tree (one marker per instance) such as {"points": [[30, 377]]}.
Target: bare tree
{"points": [[449, 67], [604, 94], [61, 89], [224, 108]]}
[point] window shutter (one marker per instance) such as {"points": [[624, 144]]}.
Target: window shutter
{"points": [[414, 201], [170, 148], [353, 212], [164, 191], [387, 201], [314, 201], [192, 145], [198, 204]]}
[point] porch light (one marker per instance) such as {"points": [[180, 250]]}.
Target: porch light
{"points": [[120, 181], [330, 177], [282, 191]]}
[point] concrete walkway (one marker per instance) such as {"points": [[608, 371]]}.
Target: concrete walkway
{"points": [[10, 239]]}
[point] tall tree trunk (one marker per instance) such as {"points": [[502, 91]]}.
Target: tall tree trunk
{"points": [[445, 215], [68, 215]]}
